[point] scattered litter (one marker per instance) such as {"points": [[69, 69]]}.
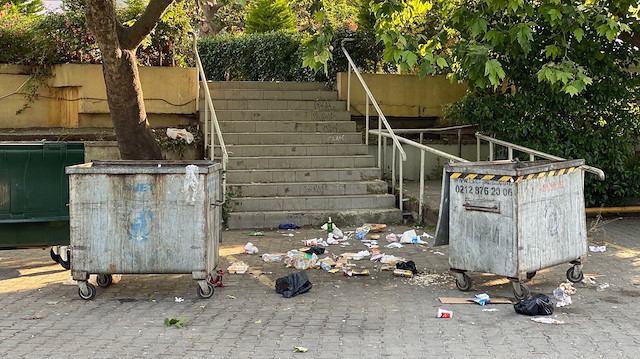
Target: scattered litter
{"points": [[325, 266], [334, 270], [179, 299], [387, 267], [481, 299], [589, 280], [315, 250], [598, 248], [217, 281], [53, 302], [237, 268], [180, 134], [255, 234], [411, 237], [288, 235], [438, 253], [568, 288], [293, 284], [288, 226], [483, 296], [403, 273], [562, 297], [375, 228], [453, 300], [425, 234], [547, 320], [375, 236], [391, 237], [259, 321], [409, 265], [540, 304], [249, 248], [602, 287], [231, 297], [490, 309], [297, 349], [443, 313], [356, 256], [310, 242], [394, 245], [355, 273], [335, 231], [273, 257], [389, 259]]}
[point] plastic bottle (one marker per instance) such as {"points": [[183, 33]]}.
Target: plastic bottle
{"points": [[329, 226]]}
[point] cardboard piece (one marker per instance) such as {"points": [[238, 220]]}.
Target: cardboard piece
{"points": [[453, 300]]}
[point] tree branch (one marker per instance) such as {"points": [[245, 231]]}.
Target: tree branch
{"points": [[131, 37]]}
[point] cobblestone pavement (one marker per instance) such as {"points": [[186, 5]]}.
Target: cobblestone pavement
{"points": [[42, 316]]}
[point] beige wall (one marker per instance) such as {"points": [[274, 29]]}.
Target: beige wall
{"points": [[401, 95], [76, 97]]}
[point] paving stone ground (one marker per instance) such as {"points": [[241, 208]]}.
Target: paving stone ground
{"points": [[341, 317]]}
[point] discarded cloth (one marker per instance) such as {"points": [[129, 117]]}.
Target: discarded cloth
{"points": [[293, 284], [288, 226], [315, 250], [540, 304]]}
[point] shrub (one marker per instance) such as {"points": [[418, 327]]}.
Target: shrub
{"points": [[269, 15]]}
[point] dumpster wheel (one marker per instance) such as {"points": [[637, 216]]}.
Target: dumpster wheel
{"points": [[575, 274], [463, 281], [54, 256], [90, 292], [520, 291], [66, 264], [104, 280], [201, 293]]}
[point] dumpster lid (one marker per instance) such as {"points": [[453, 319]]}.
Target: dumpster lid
{"points": [[142, 167], [513, 167]]}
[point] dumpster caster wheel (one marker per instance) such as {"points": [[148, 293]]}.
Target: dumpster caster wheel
{"points": [[530, 275], [204, 295], [463, 282], [54, 256], [520, 291], [66, 264], [104, 280], [575, 275], [90, 292]]}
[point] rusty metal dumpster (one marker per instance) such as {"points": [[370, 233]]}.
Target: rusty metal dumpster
{"points": [[513, 218], [144, 217]]}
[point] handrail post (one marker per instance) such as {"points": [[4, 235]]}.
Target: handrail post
{"points": [[206, 132], [490, 150], [349, 89], [510, 151], [478, 147], [380, 158], [393, 168], [459, 143], [400, 179], [532, 157], [422, 153], [366, 133]]}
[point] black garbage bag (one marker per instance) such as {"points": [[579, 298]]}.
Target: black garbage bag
{"points": [[293, 284], [315, 250], [410, 265], [540, 304]]}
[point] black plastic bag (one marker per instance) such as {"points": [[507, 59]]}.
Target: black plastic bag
{"points": [[410, 265], [293, 284], [540, 304], [315, 250]]}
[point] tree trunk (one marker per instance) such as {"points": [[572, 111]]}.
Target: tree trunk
{"points": [[209, 10], [118, 47]]}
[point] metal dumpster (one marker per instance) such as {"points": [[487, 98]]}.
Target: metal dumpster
{"points": [[34, 192], [513, 218], [144, 217]]}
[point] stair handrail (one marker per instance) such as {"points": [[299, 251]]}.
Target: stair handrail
{"points": [[531, 152], [210, 116], [381, 118]]}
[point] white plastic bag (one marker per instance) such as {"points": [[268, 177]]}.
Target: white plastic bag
{"points": [[180, 134], [190, 184], [249, 248]]}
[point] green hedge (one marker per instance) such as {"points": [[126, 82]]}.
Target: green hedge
{"points": [[277, 56]]}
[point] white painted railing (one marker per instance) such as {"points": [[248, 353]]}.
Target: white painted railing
{"points": [[210, 119]]}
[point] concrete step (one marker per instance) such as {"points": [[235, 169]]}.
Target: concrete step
{"points": [[286, 162], [267, 85], [302, 175], [294, 150], [280, 115], [342, 218], [283, 138], [307, 189], [315, 105], [286, 126], [251, 94], [313, 203]]}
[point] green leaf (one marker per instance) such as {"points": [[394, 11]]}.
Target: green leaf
{"points": [[442, 63], [410, 58], [298, 349], [578, 33], [493, 70], [478, 26], [166, 322]]}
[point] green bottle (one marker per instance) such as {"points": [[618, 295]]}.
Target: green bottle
{"points": [[329, 226]]}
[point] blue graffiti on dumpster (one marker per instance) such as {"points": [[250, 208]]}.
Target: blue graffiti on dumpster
{"points": [[141, 226]]}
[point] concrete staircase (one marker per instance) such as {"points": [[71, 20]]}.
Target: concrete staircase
{"points": [[295, 156]]}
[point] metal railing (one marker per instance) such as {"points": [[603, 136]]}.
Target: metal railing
{"points": [[532, 153], [210, 119]]}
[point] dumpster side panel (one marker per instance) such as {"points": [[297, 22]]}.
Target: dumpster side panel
{"points": [[142, 223], [214, 217], [481, 226], [551, 221]]}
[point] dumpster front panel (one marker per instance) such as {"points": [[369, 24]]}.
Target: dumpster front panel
{"points": [[481, 224], [142, 223], [551, 220]]}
